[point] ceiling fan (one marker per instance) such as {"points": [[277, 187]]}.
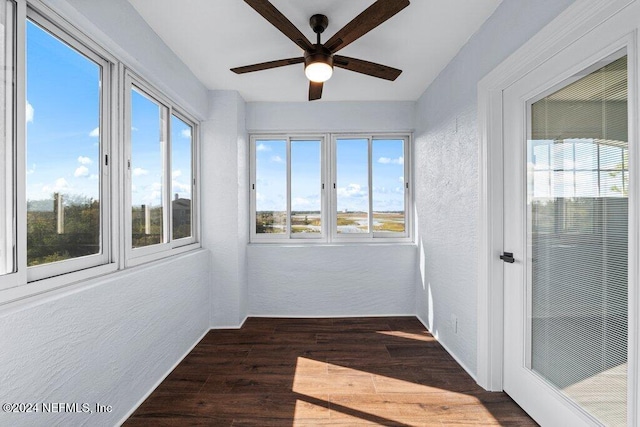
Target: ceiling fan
{"points": [[319, 59]]}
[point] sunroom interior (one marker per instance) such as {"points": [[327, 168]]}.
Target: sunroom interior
{"points": [[113, 330]]}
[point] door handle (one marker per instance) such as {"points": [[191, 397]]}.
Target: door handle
{"points": [[508, 257]]}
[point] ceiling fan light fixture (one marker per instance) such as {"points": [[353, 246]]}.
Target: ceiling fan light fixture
{"points": [[318, 72], [318, 65]]}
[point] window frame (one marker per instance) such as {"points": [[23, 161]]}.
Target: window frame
{"points": [[289, 235], [169, 247], [329, 234], [78, 42], [14, 184], [28, 282], [372, 235]]}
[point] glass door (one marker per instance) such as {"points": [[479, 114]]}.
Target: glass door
{"points": [[567, 217]]}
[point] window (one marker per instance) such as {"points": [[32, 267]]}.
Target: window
{"points": [[66, 181], [8, 151], [160, 153], [80, 196], [181, 178], [287, 188], [357, 189], [147, 170], [371, 192]]}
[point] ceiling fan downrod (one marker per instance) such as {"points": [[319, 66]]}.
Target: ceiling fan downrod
{"points": [[318, 23]]}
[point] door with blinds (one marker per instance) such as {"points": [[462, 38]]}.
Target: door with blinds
{"points": [[566, 163]]}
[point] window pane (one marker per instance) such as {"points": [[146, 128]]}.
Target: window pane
{"points": [[388, 186], [146, 171], [7, 182], [306, 185], [181, 177], [352, 176], [578, 238], [63, 149], [271, 186]]}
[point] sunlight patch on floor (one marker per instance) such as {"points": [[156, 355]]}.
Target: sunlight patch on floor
{"points": [[423, 336]]}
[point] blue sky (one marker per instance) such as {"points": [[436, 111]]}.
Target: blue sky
{"points": [[63, 96], [62, 119], [352, 181]]}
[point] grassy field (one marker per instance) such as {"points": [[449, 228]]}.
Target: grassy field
{"points": [[347, 222]]}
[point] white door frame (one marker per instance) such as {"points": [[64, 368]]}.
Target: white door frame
{"points": [[576, 21]]}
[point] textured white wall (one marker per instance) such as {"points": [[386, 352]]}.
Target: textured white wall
{"points": [[330, 116], [106, 341], [447, 183], [322, 281], [121, 30], [225, 205], [331, 280], [111, 339]]}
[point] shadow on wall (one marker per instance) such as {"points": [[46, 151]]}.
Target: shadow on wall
{"points": [[424, 294]]}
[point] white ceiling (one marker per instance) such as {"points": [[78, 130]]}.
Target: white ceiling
{"points": [[212, 36]]}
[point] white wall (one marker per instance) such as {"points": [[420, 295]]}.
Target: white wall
{"points": [[325, 281], [111, 339], [331, 280], [107, 341], [121, 30], [225, 205], [330, 116], [446, 158]]}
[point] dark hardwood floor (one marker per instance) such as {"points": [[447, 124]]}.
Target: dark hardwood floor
{"points": [[324, 372]]}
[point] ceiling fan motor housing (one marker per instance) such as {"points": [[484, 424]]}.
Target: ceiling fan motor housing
{"points": [[318, 54]]}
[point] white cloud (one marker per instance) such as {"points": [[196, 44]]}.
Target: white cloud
{"points": [[176, 173], [93, 176], [351, 190], [277, 159], [133, 128], [186, 133], [179, 187], [95, 133], [32, 170], [81, 171], [140, 172], [401, 178], [388, 160], [262, 147], [29, 113], [83, 160], [60, 185]]}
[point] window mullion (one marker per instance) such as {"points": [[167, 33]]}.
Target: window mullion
{"points": [[166, 178], [288, 188], [370, 185], [19, 145]]}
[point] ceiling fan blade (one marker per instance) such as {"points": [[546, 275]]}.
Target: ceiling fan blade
{"points": [[315, 90], [373, 16], [267, 65], [366, 67], [278, 20]]}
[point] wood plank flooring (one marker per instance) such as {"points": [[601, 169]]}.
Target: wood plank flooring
{"points": [[324, 372]]}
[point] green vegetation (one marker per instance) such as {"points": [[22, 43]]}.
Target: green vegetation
{"points": [[266, 220], [345, 221], [395, 227], [141, 236], [79, 236]]}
